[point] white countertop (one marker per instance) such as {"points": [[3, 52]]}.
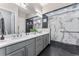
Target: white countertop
{"points": [[9, 41]]}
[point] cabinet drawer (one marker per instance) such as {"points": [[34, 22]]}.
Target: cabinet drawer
{"points": [[38, 39], [14, 47], [20, 52], [47, 36], [30, 41], [40, 43], [31, 49]]}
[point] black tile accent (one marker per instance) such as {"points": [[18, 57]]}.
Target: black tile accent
{"points": [[44, 24]]}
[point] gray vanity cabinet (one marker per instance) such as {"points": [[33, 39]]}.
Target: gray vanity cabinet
{"points": [[14, 47], [2, 52], [45, 40], [39, 44], [30, 49], [20, 52]]}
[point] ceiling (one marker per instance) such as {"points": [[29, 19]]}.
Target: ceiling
{"points": [[33, 8]]}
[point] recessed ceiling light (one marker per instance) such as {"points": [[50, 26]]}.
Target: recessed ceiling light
{"points": [[38, 11], [43, 4], [23, 5]]}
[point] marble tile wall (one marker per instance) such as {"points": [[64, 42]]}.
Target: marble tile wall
{"points": [[65, 26]]}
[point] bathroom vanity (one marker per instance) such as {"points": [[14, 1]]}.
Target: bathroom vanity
{"points": [[28, 45]]}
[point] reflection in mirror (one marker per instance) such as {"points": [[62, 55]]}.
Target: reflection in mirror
{"points": [[9, 21], [0, 24]]}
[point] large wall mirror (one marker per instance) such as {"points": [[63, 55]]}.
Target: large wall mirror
{"points": [[9, 21]]}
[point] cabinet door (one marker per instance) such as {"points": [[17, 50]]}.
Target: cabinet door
{"points": [[20, 52], [46, 40], [31, 49], [2, 52], [39, 49], [39, 45]]}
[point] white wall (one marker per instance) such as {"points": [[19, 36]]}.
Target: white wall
{"points": [[21, 20]]}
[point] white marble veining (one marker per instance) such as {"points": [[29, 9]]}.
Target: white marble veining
{"points": [[9, 40], [65, 27]]}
